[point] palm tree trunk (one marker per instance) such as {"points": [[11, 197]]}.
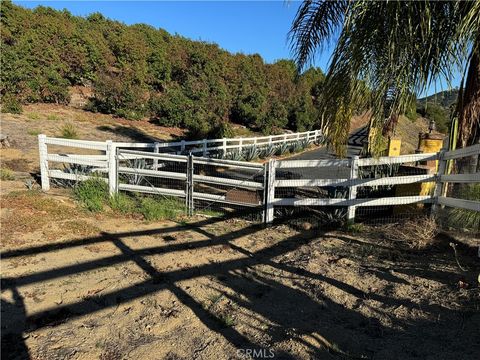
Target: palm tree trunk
{"points": [[468, 110], [468, 106]]}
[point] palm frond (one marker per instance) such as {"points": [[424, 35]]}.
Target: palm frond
{"points": [[316, 22], [386, 52]]}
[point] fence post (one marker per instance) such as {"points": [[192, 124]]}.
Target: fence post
{"points": [[240, 144], [270, 191], [156, 150], [269, 139], [352, 192], [438, 191], [43, 154], [182, 146], [204, 147], [224, 146], [189, 186], [112, 167]]}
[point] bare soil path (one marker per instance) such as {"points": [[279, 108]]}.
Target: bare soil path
{"points": [[82, 286]]}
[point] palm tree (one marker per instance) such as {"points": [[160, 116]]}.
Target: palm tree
{"points": [[387, 51]]}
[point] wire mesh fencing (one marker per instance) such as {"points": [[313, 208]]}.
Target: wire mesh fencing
{"points": [[461, 186], [385, 182], [222, 186], [211, 187], [329, 193]]}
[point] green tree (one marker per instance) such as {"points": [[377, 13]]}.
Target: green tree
{"points": [[397, 49], [437, 113]]}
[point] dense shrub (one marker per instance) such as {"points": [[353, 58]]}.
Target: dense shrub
{"points": [[138, 71], [92, 194], [10, 104], [463, 218], [160, 208], [438, 113]]}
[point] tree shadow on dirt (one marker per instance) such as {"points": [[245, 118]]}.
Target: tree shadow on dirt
{"points": [[132, 133], [297, 312]]}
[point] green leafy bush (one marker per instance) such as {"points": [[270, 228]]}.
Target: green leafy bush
{"points": [[122, 203], [160, 208], [10, 104], [92, 194], [439, 114], [463, 218]]}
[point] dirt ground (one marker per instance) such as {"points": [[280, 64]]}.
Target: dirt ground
{"points": [[82, 286]]}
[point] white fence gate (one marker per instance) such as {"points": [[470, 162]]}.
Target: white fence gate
{"points": [[196, 179]]}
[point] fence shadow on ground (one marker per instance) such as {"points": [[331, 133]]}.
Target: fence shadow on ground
{"points": [[303, 313]]}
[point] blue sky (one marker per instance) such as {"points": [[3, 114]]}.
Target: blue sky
{"points": [[237, 26]]}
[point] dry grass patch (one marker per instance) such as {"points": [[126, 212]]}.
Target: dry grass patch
{"points": [[29, 211], [418, 233]]}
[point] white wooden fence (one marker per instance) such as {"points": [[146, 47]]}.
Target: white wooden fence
{"points": [[105, 160], [107, 163]]}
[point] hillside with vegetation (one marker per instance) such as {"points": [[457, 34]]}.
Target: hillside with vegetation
{"points": [[438, 107], [140, 72]]}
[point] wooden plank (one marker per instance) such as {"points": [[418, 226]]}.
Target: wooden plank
{"points": [[399, 200], [311, 182], [285, 164], [230, 163], [459, 203], [85, 157], [75, 160], [219, 198], [151, 190], [388, 160], [58, 174], [461, 178], [396, 180], [83, 144], [135, 154], [135, 145], [463, 152], [152, 173], [225, 181]]}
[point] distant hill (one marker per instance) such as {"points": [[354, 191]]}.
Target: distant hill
{"points": [[438, 107], [443, 98]]}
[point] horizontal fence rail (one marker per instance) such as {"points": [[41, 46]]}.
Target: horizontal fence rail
{"points": [[142, 167]]}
